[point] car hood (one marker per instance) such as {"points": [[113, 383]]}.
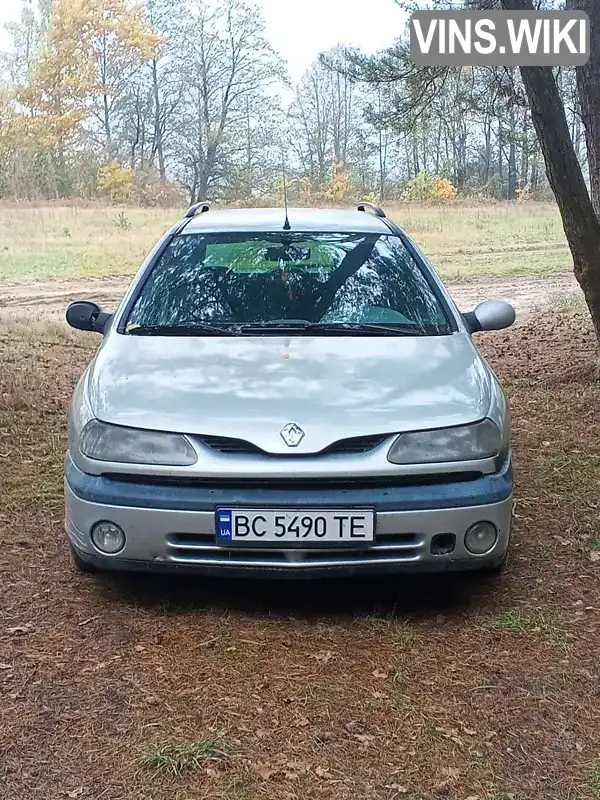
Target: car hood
{"points": [[250, 387]]}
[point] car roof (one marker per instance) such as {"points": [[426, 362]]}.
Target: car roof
{"points": [[315, 220]]}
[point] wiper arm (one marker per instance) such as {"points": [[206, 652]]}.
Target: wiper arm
{"points": [[178, 330], [274, 326], [299, 327], [365, 327]]}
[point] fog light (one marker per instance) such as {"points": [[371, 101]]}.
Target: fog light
{"points": [[108, 537], [481, 538]]}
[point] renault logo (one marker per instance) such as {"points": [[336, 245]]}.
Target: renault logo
{"points": [[292, 434]]}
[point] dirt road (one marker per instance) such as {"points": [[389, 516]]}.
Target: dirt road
{"points": [[50, 298]]}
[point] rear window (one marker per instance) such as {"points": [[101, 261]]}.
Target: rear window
{"points": [[239, 279]]}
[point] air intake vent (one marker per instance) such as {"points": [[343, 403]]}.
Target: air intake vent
{"points": [[360, 444], [354, 446], [225, 445]]}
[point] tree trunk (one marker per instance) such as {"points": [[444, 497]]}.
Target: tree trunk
{"points": [[500, 149], [580, 222], [535, 179], [415, 148], [512, 157], [63, 183], [138, 124], [249, 170], [487, 158], [576, 131], [158, 138], [524, 177], [588, 85], [381, 169], [107, 131], [206, 173], [460, 171]]}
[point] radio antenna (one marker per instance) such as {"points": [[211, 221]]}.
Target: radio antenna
{"points": [[286, 224]]}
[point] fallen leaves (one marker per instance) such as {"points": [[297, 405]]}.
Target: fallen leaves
{"points": [[319, 697], [283, 769], [19, 630], [380, 673], [324, 656], [451, 776], [265, 771], [364, 738]]}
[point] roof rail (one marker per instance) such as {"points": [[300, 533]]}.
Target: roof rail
{"points": [[202, 207], [372, 207]]}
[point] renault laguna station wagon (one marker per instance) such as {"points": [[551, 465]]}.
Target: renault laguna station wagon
{"points": [[288, 393]]}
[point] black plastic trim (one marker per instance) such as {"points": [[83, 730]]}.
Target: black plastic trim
{"points": [[454, 493]]}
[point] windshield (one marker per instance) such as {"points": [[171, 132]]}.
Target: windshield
{"points": [[273, 280]]}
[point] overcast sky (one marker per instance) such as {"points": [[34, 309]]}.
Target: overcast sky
{"points": [[300, 29]]}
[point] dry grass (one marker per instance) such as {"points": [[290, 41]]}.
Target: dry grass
{"points": [[55, 241], [571, 303], [117, 688], [500, 239], [461, 241]]}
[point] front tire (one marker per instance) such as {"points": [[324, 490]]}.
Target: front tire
{"points": [[79, 563], [498, 569]]}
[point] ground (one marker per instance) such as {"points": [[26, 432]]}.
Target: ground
{"points": [[117, 688], [121, 688]]}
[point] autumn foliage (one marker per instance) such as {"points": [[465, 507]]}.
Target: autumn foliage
{"points": [[116, 182], [91, 50], [427, 188]]}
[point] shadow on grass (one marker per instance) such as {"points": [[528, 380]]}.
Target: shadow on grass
{"points": [[389, 597]]}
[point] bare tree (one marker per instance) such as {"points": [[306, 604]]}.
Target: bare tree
{"points": [[311, 119], [228, 67]]}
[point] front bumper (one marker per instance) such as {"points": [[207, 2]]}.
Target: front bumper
{"points": [[172, 528]]}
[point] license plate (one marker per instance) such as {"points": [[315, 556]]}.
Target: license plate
{"points": [[295, 527]]}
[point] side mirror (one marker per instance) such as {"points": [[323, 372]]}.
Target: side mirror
{"points": [[86, 316], [491, 315]]}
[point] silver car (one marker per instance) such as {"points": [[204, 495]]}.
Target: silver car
{"points": [[288, 394]]}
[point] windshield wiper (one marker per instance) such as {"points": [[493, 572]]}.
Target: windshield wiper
{"points": [[367, 327], [357, 328], [178, 330]]}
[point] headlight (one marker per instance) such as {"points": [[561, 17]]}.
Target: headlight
{"points": [[464, 443], [104, 442]]}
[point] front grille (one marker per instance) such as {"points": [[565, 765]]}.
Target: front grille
{"points": [[202, 550], [353, 446], [294, 484]]}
